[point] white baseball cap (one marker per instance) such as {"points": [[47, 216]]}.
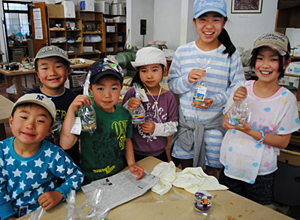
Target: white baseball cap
{"points": [[149, 55], [39, 99]]}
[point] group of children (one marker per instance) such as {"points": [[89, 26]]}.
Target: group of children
{"points": [[246, 155]]}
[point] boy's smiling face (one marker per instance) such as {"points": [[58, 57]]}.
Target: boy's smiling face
{"points": [[53, 73], [106, 93], [30, 124]]}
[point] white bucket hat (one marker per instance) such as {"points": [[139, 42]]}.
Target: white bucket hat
{"points": [[149, 55]]}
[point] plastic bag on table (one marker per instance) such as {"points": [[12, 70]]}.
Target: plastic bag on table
{"points": [[96, 212]]}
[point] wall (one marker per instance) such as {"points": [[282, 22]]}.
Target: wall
{"points": [[167, 22], [243, 28], [137, 10]]}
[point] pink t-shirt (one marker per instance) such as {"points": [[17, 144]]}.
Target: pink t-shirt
{"points": [[241, 155]]}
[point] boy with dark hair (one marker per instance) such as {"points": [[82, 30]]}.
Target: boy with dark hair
{"points": [[53, 67], [30, 165], [107, 150]]}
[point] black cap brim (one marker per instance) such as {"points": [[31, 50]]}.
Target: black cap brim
{"points": [[95, 77]]}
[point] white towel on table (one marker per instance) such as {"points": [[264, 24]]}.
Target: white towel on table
{"points": [[193, 179], [167, 174]]}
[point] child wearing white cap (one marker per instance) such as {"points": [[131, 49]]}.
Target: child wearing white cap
{"points": [[30, 165], [249, 152], [150, 138]]}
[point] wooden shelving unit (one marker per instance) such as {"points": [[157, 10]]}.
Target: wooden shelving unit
{"points": [[57, 29], [93, 26], [115, 36]]}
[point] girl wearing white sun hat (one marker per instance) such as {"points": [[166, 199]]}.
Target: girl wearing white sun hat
{"points": [[150, 138]]}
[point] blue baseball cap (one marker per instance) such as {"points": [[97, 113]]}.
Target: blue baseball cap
{"points": [[203, 6]]}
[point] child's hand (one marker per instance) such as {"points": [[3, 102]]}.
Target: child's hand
{"points": [[12, 218], [49, 199], [244, 128], [136, 170], [196, 74], [134, 103], [148, 127], [208, 103], [79, 101], [240, 94]]}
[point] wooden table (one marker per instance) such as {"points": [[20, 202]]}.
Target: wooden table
{"points": [[176, 204], [5, 110], [17, 75]]}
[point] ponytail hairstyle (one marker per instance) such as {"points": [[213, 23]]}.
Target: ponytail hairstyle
{"points": [[226, 41]]}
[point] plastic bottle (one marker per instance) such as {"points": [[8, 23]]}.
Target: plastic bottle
{"points": [[200, 92], [87, 113], [238, 112], [88, 118], [138, 114]]}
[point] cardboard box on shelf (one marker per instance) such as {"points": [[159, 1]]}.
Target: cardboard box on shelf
{"points": [[102, 6], [119, 19], [77, 80], [88, 49], [55, 11], [109, 49], [69, 9], [110, 29], [87, 5]]}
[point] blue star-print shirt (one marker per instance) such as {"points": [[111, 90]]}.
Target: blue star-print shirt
{"points": [[23, 180]]}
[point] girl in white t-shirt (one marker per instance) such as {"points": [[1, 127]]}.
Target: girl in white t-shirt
{"points": [[249, 152]]}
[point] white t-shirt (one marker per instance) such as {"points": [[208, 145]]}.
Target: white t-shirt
{"points": [[241, 155]]}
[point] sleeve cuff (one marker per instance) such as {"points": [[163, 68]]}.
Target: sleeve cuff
{"points": [[63, 192], [7, 211], [157, 130]]}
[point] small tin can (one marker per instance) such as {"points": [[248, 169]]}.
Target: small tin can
{"points": [[202, 203]]}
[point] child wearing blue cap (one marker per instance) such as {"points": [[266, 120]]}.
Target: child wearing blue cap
{"points": [[200, 131]]}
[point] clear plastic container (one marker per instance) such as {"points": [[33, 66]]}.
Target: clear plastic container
{"points": [[138, 115], [238, 112], [88, 118], [200, 92], [202, 203]]}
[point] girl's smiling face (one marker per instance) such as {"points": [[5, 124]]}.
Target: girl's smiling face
{"points": [[267, 65], [151, 75], [209, 27]]}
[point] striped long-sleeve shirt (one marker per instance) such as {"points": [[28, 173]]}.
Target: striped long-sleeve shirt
{"points": [[221, 70]]}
